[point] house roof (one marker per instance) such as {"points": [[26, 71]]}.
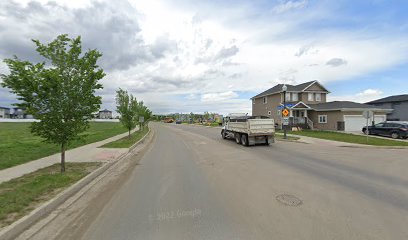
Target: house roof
{"points": [[4, 108], [395, 98], [105, 110], [340, 105], [291, 88]]}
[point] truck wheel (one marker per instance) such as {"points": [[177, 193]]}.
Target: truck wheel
{"points": [[267, 141], [223, 134], [237, 138], [244, 139]]}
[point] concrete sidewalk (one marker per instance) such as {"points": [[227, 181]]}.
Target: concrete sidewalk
{"points": [[86, 153], [324, 142]]}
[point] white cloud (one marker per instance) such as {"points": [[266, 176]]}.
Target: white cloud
{"points": [[289, 5], [218, 97], [361, 97]]}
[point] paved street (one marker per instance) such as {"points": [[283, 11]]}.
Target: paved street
{"points": [[194, 185]]}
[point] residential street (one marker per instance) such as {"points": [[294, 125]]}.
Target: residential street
{"points": [[192, 184]]}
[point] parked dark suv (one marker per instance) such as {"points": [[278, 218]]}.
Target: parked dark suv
{"points": [[393, 129]]}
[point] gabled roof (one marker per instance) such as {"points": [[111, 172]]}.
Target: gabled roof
{"points": [[291, 88], [342, 105], [395, 98], [300, 105]]}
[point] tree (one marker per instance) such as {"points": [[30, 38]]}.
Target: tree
{"points": [[128, 109], [60, 91], [144, 112]]}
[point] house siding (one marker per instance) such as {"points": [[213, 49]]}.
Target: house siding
{"points": [[332, 118], [303, 98], [261, 109], [315, 87], [400, 110]]}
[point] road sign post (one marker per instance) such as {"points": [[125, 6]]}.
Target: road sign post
{"points": [[141, 121], [367, 114]]}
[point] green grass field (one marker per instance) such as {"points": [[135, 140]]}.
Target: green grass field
{"points": [[21, 195], [18, 145], [350, 138], [127, 142]]}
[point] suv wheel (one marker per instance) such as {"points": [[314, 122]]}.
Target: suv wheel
{"points": [[367, 132], [394, 135]]}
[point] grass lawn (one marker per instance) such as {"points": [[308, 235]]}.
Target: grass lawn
{"points": [[127, 142], [21, 195], [280, 136], [350, 138], [18, 145]]}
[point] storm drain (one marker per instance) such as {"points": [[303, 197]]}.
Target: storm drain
{"points": [[289, 200]]}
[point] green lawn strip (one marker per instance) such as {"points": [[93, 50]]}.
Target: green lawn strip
{"points": [[127, 142], [21, 195], [280, 136], [349, 138], [18, 145]]}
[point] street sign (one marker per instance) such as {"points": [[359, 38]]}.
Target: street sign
{"points": [[141, 119], [287, 105], [367, 114], [285, 121], [285, 112]]}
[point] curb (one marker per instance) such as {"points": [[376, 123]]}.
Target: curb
{"points": [[15, 229], [140, 141]]}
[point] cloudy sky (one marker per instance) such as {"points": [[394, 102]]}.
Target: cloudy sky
{"points": [[183, 56]]}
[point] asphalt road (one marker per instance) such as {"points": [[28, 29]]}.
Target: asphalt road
{"points": [[193, 185]]}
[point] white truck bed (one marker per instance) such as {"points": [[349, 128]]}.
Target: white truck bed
{"points": [[253, 127]]}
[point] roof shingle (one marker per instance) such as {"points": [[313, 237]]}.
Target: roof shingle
{"points": [[395, 98]]}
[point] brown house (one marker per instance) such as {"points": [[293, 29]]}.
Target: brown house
{"points": [[309, 109]]}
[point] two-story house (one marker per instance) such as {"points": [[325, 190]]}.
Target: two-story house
{"points": [[399, 104], [105, 114], [308, 106]]}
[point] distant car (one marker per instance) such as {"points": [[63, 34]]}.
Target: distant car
{"points": [[392, 129], [178, 122]]}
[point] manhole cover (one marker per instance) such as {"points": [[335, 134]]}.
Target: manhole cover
{"points": [[289, 200]]}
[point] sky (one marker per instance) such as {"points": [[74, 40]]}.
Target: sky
{"points": [[195, 56]]}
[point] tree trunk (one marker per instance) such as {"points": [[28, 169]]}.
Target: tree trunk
{"points": [[129, 133], [63, 158]]}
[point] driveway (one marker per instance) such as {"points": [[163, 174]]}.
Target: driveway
{"points": [[192, 184]]}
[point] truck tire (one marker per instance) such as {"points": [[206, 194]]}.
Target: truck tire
{"points": [[223, 134], [237, 138], [244, 139], [267, 141]]}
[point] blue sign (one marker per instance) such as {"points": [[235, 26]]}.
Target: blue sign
{"points": [[288, 105]]}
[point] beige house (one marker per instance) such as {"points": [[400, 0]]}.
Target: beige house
{"points": [[309, 109]]}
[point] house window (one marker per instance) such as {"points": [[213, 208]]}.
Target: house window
{"points": [[310, 97], [322, 118], [265, 100], [295, 97], [269, 113], [253, 101], [287, 97], [318, 97]]}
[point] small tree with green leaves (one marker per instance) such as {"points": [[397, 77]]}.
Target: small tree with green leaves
{"points": [[60, 91], [128, 108]]}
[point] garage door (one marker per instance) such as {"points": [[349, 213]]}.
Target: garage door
{"points": [[356, 123]]}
